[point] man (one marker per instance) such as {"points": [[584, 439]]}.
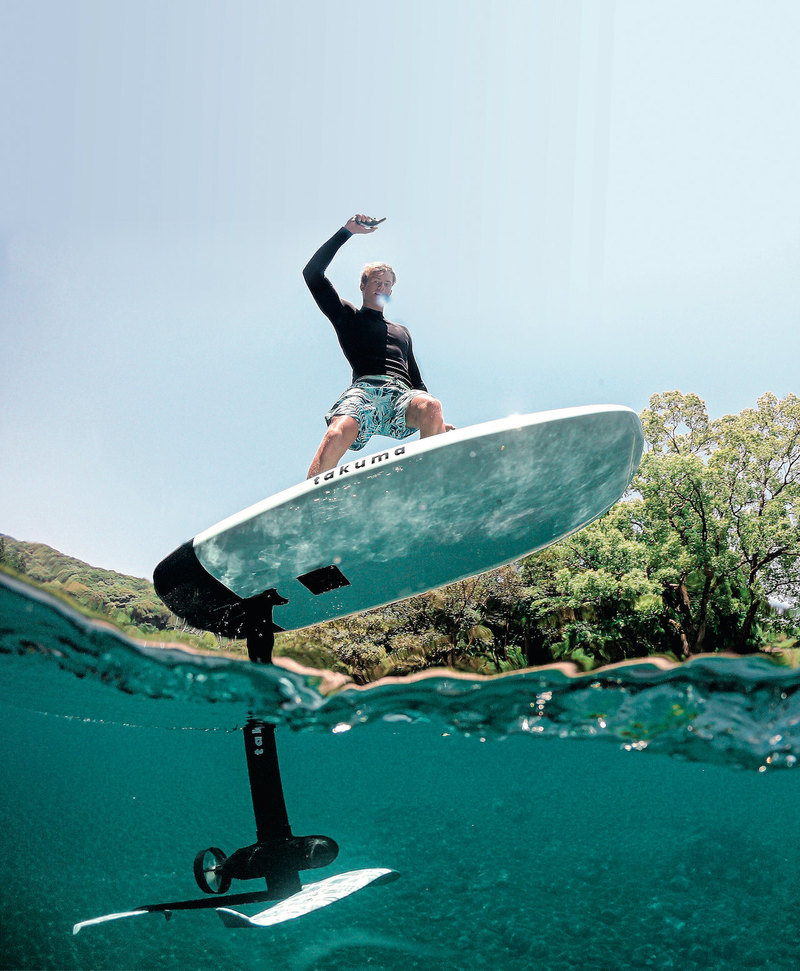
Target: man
{"points": [[387, 395]]}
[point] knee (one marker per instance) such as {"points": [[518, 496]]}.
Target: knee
{"points": [[433, 406], [429, 411], [343, 429], [427, 406]]}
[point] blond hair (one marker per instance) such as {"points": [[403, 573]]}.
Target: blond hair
{"points": [[371, 268]]}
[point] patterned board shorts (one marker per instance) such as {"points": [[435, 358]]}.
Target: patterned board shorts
{"points": [[378, 403]]}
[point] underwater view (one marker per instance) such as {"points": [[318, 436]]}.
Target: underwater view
{"points": [[639, 816]]}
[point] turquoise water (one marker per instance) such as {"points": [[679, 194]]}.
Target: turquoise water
{"points": [[639, 818]]}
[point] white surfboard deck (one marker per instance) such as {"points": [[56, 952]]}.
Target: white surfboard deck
{"points": [[312, 897], [423, 514]]}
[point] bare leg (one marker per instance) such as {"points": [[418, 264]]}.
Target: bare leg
{"points": [[425, 413], [340, 435]]}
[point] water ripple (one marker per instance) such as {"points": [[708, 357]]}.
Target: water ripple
{"points": [[740, 711]]}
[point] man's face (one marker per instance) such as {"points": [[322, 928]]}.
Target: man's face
{"points": [[377, 289]]}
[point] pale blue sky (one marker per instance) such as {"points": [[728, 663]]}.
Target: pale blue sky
{"points": [[587, 202]]}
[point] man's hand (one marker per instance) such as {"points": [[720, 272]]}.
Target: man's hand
{"points": [[361, 224]]}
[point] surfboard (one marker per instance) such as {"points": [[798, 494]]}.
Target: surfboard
{"points": [[411, 518]]}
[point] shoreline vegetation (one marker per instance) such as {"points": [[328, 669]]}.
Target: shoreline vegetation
{"points": [[702, 555]]}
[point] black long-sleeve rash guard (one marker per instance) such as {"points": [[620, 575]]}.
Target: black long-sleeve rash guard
{"points": [[371, 344]]}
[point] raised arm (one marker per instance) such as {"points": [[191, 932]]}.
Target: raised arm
{"points": [[322, 290]]}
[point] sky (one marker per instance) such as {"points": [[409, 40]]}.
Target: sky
{"points": [[587, 202]]}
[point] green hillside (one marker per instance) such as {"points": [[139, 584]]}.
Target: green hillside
{"points": [[129, 603]]}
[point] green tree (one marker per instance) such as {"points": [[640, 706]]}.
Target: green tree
{"points": [[719, 515], [591, 598]]}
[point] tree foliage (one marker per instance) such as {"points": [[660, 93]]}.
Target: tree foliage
{"points": [[719, 516]]}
